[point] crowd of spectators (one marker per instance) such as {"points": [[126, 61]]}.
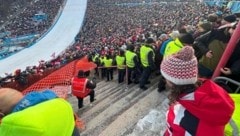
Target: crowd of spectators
{"points": [[22, 22], [111, 26]]}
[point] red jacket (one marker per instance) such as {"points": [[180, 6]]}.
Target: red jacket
{"points": [[79, 88], [204, 112]]}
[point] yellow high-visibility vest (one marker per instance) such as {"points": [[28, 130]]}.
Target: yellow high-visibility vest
{"points": [[50, 118]]}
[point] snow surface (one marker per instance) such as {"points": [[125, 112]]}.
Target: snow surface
{"points": [[57, 40]]}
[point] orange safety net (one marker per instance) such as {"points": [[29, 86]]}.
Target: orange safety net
{"points": [[58, 81]]}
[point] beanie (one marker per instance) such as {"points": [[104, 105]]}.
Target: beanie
{"points": [[230, 18], [181, 68], [186, 38]]}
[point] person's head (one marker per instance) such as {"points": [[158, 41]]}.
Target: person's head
{"points": [[212, 18], [174, 34], [163, 37], [17, 72], [150, 40], [130, 47], [121, 52], [8, 99], [228, 19], [204, 26], [180, 71], [81, 73], [186, 39]]}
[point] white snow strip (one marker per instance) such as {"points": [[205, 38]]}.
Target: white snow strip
{"points": [[57, 40]]}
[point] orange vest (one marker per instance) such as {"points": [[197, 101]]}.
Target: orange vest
{"points": [[79, 87]]}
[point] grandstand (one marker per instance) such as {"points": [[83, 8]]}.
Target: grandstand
{"points": [[56, 38]]}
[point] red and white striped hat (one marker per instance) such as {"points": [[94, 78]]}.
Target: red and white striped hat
{"points": [[181, 68]]}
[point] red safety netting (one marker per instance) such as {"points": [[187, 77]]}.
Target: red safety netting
{"points": [[58, 81]]}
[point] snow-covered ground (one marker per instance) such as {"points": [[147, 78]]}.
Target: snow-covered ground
{"points": [[56, 41]]}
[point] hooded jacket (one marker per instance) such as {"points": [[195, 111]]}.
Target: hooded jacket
{"points": [[204, 112]]}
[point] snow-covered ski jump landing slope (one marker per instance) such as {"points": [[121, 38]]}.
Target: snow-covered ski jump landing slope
{"points": [[57, 40]]}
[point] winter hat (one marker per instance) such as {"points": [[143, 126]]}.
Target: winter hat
{"points": [[181, 68], [186, 38], [230, 18]]}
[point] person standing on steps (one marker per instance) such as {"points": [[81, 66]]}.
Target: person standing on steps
{"points": [[196, 108], [121, 61], [147, 56], [108, 63], [82, 87], [132, 63]]}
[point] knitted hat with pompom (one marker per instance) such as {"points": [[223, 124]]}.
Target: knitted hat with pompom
{"points": [[181, 68]]}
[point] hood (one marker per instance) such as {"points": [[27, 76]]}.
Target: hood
{"points": [[210, 103]]}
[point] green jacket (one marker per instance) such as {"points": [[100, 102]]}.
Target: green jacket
{"points": [[217, 47], [233, 127], [173, 47]]}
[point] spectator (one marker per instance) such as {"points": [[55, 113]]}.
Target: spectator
{"points": [[228, 19], [201, 110], [215, 20], [35, 114], [132, 63], [172, 36], [108, 63], [203, 29], [176, 45], [82, 87], [21, 77], [147, 60], [232, 68], [212, 46], [121, 62]]}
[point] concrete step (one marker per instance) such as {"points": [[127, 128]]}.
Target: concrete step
{"points": [[117, 107]]}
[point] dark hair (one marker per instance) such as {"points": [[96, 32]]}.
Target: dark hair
{"points": [[121, 52], [186, 38], [150, 40], [177, 90], [130, 47], [81, 73]]}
